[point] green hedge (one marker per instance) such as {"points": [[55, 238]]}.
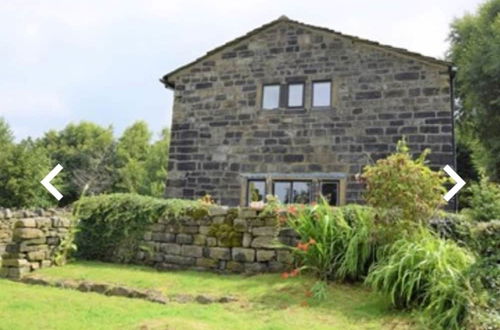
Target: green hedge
{"points": [[110, 226]]}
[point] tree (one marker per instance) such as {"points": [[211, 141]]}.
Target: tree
{"points": [[86, 151], [22, 166], [475, 49], [6, 136], [156, 166], [131, 153]]}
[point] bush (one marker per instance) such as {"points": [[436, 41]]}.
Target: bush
{"points": [[336, 243], [426, 272], [111, 226], [484, 201], [401, 183]]}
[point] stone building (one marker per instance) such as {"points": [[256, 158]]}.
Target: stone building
{"points": [[297, 110]]}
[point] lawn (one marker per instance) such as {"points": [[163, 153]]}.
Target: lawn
{"points": [[264, 302]]}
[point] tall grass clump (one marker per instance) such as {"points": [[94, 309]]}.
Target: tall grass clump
{"points": [[428, 273], [336, 243]]}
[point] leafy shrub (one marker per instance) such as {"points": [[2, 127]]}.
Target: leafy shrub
{"points": [[226, 234], [426, 272], [336, 242], [399, 182], [111, 226], [484, 201], [456, 227]]}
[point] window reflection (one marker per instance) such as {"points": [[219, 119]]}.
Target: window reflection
{"points": [[329, 190], [301, 192]]}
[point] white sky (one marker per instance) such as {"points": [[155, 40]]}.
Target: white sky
{"points": [[100, 60]]}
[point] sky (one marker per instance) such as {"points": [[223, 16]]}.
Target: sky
{"points": [[100, 60]]}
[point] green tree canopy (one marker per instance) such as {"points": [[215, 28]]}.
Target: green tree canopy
{"points": [[475, 50], [6, 136]]}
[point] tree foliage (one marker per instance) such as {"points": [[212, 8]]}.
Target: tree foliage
{"points": [[475, 50]]}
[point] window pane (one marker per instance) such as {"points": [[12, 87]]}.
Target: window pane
{"points": [[301, 192], [282, 191], [271, 97], [256, 190], [295, 95], [322, 94], [329, 190]]}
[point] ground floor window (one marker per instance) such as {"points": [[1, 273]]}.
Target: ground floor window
{"points": [[294, 189], [256, 191]]}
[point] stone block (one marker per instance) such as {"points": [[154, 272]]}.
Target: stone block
{"points": [[243, 255], [211, 241], [255, 267], [171, 248], [192, 251], [25, 223], [189, 229], [246, 212], [184, 239], [199, 240], [206, 263], [204, 230], [167, 237], [264, 242], [37, 255], [220, 253], [265, 255], [236, 267], [44, 222], [27, 233], [158, 227], [271, 222], [275, 266], [179, 260], [45, 263], [217, 211], [264, 231], [15, 263], [240, 225], [247, 240]]}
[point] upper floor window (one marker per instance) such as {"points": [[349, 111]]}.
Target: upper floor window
{"points": [[295, 95], [271, 97], [322, 94]]}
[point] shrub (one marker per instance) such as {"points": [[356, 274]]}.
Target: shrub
{"points": [[399, 182], [426, 272], [484, 201], [111, 226], [335, 242]]}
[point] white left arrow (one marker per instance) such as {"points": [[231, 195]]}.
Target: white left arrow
{"points": [[459, 183], [46, 182]]}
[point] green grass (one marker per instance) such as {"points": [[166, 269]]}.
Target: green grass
{"points": [[264, 302]]}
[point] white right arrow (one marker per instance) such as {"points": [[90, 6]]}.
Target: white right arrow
{"points": [[46, 182], [459, 183]]}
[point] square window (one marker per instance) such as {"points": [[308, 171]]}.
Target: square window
{"points": [[330, 191], [322, 94], [301, 192], [296, 95], [271, 97], [256, 191], [282, 190], [293, 191]]}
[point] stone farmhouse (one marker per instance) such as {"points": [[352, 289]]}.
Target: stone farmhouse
{"points": [[297, 111]]}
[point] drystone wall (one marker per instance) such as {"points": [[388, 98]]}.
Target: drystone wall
{"points": [[29, 239], [236, 240]]}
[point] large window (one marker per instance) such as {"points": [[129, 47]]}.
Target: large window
{"points": [[330, 191], [256, 191], [295, 95], [293, 191], [271, 97], [322, 94]]}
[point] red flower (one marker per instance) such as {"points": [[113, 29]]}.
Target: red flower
{"points": [[303, 246]]}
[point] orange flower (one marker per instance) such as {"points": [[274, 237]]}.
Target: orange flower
{"points": [[294, 272], [314, 203], [312, 241], [292, 210], [302, 246], [284, 275]]}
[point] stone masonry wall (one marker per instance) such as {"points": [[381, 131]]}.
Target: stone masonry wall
{"points": [[29, 240], [220, 130], [189, 243]]}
